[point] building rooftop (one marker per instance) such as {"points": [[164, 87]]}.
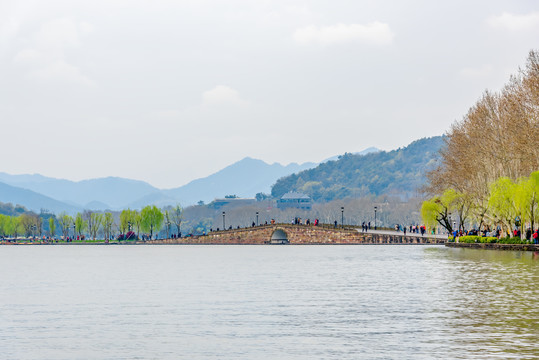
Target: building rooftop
{"points": [[294, 195]]}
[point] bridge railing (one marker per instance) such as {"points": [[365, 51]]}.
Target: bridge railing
{"points": [[261, 226]]}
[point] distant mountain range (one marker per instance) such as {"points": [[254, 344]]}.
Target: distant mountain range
{"points": [[371, 170], [244, 178], [103, 193], [32, 200]]}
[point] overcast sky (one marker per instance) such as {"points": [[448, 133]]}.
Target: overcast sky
{"points": [[169, 91]]}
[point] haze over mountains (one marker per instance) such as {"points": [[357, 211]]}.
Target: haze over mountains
{"points": [[244, 178], [32, 200], [397, 172]]}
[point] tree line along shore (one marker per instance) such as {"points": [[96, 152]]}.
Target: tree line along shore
{"points": [[487, 182], [91, 225]]}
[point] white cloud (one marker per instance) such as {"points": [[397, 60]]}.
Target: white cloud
{"points": [[45, 59], [86, 28], [28, 56], [375, 33], [515, 22], [58, 33], [483, 71], [223, 95], [61, 70]]}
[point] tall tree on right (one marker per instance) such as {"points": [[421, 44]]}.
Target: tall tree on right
{"points": [[496, 139]]}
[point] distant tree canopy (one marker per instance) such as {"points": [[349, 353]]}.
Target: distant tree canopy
{"points": [[12, 210], [262, 196], [492, 152], [399, 172]]}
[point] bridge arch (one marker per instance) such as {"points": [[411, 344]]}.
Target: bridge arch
{"points": [[279, 236]]}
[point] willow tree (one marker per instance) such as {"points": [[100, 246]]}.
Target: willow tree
{"points": [[127, 219], [166, 216], [3, 220], [13, 226], [80, 224], [438, 209], [9, 225], [65, 222], [525, 199], [177, 216], [94, 222], [107, 222], [52, 226], [27, 222], [138, 222], [502, 203], [152, 219]]}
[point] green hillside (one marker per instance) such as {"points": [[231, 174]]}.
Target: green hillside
{"points": [[399, 172]]}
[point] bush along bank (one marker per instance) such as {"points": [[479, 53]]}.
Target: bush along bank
{"points": [[484, 242], [490, 240]]}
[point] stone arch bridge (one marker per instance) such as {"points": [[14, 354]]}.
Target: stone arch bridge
{"points": [[300, 235]]}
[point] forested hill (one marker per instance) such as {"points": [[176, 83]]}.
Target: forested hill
{"points": [[399, 172]]}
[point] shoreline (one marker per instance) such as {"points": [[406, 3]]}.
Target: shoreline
{"points": [[163, 242], [495, 246]]}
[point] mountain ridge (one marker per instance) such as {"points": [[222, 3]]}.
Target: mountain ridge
{"points": [[244, 178], [397, 172], [32, 200]]}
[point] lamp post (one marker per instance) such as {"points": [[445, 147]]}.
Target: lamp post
{"points": [[342, 217], [375, 208], [223, 220], [74, 231], [257, 218], [450, 221]]}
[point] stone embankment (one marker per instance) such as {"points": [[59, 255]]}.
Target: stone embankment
{"points": [[514, 247], [299, 235]]}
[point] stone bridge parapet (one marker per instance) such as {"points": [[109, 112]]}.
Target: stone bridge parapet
{"points": [[299, 235]]}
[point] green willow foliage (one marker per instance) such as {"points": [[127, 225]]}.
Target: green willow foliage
{"points": [[510, 204]]}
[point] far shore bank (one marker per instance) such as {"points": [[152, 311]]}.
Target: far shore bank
{"points": [[495, 246], [165, 242]]}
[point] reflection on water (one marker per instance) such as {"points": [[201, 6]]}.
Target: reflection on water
{"points": [[491, 301], [267, 302]]}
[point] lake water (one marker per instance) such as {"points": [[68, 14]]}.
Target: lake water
{"points": [[267, 302]]}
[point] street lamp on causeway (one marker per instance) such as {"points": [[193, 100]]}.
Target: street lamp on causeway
{"points": [[342, 217], [257, 218], [375, 208], [223, 220]]}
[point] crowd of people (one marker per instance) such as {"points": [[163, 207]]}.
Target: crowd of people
{"points": [[529, 235]]}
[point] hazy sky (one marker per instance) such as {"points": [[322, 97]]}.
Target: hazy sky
{"points": [[169, 91]]}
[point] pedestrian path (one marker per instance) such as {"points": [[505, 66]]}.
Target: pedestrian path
{"points": [[393, 232]]}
